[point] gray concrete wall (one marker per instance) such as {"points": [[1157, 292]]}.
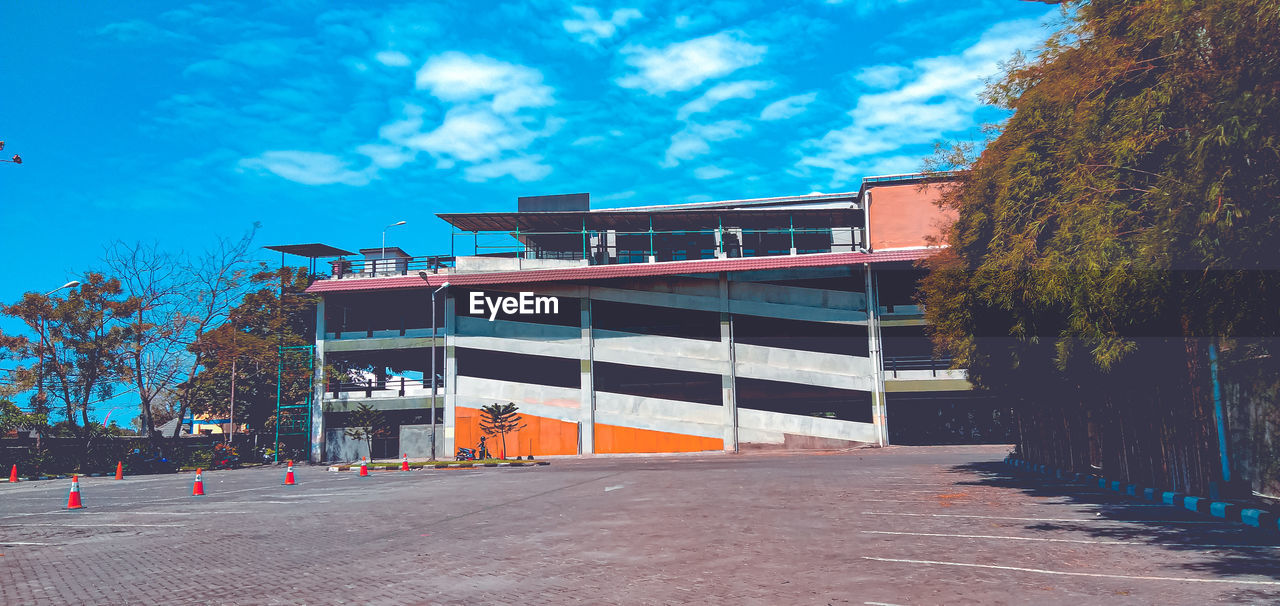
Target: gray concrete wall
{"points": [[338, 447], [415, 440]]}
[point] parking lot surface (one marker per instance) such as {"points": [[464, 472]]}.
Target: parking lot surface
{"points": [[901, 525]]}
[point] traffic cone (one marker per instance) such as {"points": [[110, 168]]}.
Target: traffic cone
{"points": [[73, 499], [364, 469], [197, 490], [119, 470], [288, 475], [404, 464], [13, 474]]}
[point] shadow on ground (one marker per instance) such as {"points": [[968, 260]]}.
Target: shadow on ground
{"points": [[1228, 549]]}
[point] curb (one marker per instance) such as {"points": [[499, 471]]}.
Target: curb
{"points": [[463, 465], [1231, 512]]}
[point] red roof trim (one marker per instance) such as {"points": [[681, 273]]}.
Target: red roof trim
{"points": [[628, 270]]}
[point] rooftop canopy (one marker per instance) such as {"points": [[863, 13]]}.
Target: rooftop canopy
{"points": [[311, 251]]}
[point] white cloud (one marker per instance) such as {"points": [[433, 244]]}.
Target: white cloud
{"points": [[881, 76], [392, 58], [867, 7], [744, 89], [524, 168], [684, 65], [386, 156], [458, 77], [707, 173], [472, 135], [588, 140], [308, 168], [787, 108], [591, 29], [932, 97], [693, 140]]}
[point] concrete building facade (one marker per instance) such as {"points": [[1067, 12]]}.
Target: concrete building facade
{"points": [[767, 323]]}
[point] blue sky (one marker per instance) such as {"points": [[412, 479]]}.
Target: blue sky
{"points": [[157, 122]]}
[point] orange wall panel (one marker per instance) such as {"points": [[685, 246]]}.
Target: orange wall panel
{"points": [[615, 439], [540, 436], [904, 216]]}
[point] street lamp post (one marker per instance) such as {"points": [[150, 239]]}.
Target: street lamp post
{"points": [[435, 292], [41, 343], [383, 255]]}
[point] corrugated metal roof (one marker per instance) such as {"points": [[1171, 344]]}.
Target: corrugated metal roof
{"points": [[628, 270]]}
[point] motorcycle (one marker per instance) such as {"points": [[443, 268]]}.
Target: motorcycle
{"points": [[151, 461], [225, 457], [478, 453]]}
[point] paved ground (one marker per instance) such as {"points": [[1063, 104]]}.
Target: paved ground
{"points": [[894, 526]]}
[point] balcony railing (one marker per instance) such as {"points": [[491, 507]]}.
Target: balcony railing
{"points": [[388, 388], [404, 266], [896, 363]]}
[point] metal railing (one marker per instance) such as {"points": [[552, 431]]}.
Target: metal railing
{"points": [[904, 363], [404, 266], [600, 247], [391, 387]]}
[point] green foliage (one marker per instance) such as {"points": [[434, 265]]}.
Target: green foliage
{"points": [[248, 344], [75, 356], [1129, 205], [13, 418], [499, 420]]}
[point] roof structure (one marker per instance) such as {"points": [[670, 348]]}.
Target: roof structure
{"points": [[633, 220], [311, 251], [628, 270]]}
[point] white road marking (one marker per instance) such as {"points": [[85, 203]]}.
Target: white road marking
{"points": [[23, 543], [954, 515], [100, 525], [610, 488], [1051, 540], [1074, 574], [879, 604]]}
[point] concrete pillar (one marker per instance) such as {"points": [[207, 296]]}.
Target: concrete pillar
{"points": [[448, 447], [879, 410], [587, 417], [317, 395], [728, 387]]}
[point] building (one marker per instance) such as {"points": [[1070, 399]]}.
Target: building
{"points": [[766, 323]]}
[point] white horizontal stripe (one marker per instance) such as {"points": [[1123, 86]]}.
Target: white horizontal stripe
{"points": [[949, 515], [1075, 574], [1085, 541]]}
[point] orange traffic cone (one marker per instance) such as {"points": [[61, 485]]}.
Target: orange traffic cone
{"points": [[119, 470], [73, 499], [197, 490], [364, 469], [13, 474], [288, 475], [404, 464]]}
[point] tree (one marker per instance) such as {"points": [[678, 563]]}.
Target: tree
{"points": [[241, 356], [365, 424], [158, 290], [499, 420], [1113, 230], [77, 348], [217, 280]]}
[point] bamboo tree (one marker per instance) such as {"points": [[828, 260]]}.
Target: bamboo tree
{"points": [[1116, 226]]}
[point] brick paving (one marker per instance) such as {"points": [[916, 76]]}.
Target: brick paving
{"points": [[902, 525]]}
